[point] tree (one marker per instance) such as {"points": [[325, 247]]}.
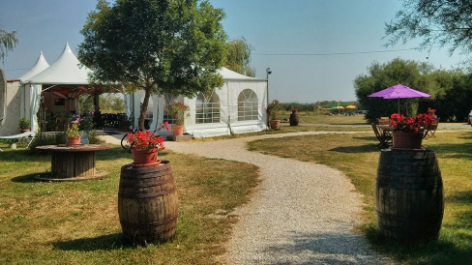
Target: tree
{"points": [[239, 57], [381, 76], [160, 46], [8, 41], [436, 22]]}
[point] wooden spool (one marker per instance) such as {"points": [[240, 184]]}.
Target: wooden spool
{"points": [[147, 203], [409, 196]]}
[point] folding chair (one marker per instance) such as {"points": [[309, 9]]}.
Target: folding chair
{"points": [[385, 139], [19, 137], [432, 127]]}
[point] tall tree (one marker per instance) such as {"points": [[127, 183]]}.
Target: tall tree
{"points": [[160, 46], [436, 22], [239, 57], [8, 41]]}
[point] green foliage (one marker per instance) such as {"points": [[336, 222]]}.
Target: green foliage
{"points": [[178, 111], [93, 138], [239, 57], [440, 22], [47, 139], [24, 123], [160, 46], [86, 103], [382, 76], [111, 103], [8, 41], [272, 109]]}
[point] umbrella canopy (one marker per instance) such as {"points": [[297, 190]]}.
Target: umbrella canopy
{"points": [[351, 107], [399, 91], [333, 107], [340, 107]]}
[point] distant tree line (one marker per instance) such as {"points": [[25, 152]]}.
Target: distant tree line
{"points": [[450, 90], [314, 106]]}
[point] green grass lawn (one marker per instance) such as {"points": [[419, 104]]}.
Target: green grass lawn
{"points": [[77, 222], [357, 157]]}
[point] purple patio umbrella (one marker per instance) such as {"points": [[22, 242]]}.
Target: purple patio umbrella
{"points": [[397, 92]]}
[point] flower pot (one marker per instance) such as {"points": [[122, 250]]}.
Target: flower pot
{"points": [[178, 130], [73, 141], [274, 124], [407, 140], [144, 158]]}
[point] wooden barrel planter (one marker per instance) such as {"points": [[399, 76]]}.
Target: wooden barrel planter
{"points": [[147, 203], [409, 196], [294, 119]]}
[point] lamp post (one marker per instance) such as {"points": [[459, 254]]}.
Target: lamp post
{"points": [[268, 71]]}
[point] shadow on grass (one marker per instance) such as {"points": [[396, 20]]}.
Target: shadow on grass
{"points": [[106, 242], [461, 151], [26, 178], [367, 148], [441, 252]]}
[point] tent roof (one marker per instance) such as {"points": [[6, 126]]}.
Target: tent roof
{"points": [[65, 70], [40, 65], [231, 75]]}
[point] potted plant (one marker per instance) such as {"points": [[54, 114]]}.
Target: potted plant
{"points": [[24, 125], [73, 135], [144, 147], [408, 132], [272, 109], [178, 112]]}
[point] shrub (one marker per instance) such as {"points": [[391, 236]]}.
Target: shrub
{"points": [[47, 139]]}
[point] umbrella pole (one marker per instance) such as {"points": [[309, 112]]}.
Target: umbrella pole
{"points": [[398, 105]]}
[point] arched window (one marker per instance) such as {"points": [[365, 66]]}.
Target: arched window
{"points": [[247, 106], [207, 109]]}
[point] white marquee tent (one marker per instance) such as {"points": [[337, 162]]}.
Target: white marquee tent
{"points": [[237, 107]]}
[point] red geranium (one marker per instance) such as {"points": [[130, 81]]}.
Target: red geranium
{"points": [[145, 140], [410, 124]]}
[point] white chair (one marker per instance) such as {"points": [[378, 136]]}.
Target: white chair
{"points": [[19, 137]]}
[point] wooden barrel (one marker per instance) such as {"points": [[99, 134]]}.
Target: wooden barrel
{"points": [[147, 203], [409, 196], [294, 119]]}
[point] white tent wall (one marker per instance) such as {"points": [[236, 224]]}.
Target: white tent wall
{"points": [[228, 97], [13, 101]]}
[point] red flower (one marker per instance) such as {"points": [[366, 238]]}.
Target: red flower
{"points": [[410, 124], [145, 140]]}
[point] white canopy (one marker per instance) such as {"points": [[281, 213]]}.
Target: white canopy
{"points": [[64, 71], [40, 65]]}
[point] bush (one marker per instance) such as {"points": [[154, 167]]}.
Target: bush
{"points": [[93, 139], [47, 139]]}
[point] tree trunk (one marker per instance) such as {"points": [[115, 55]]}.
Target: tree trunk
{"points": [[97, 114], [144, 106]]}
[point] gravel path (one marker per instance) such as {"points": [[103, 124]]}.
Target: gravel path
{"points": [[301, 213]]}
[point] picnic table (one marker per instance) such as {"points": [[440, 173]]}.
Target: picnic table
{"points": [[75, 162]]}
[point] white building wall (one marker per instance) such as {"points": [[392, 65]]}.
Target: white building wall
{"points": [[13, 109]]}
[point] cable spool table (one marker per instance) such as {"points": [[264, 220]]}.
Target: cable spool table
{"points": [[73, 163]]}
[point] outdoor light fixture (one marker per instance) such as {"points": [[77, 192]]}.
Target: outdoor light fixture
{"points": [[268, 71]]}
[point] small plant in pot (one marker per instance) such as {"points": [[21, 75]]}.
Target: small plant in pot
{"points": [[145, 147], [24, 125], [272, 109], [178, 111], [73, 135]]}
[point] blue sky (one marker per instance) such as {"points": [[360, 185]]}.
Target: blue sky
{"points": [[326, 27]]}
